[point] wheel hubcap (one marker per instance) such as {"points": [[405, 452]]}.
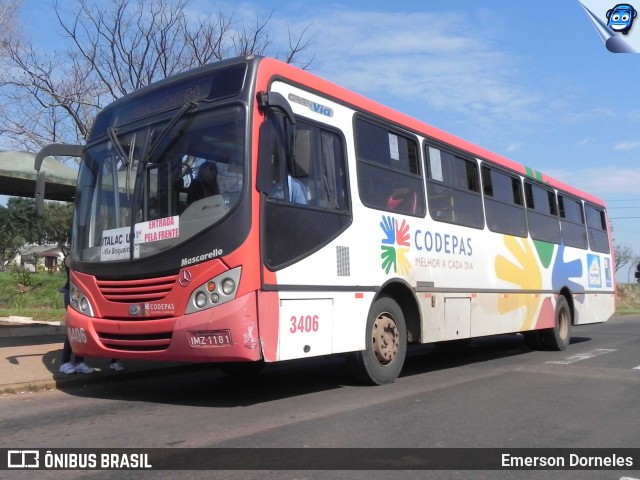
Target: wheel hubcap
{"points": [[386, 340], [563, 324]]}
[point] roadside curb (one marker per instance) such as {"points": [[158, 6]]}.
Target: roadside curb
{"points": [[15, 326], [37, 386], [31, 329], [79, 380]]}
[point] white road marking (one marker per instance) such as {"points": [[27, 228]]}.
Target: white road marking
{"points": [[636, 368], [583, 356]]}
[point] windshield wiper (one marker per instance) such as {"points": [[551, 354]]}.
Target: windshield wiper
{"points": [[186, 108], [127, 160], [113, 136]]}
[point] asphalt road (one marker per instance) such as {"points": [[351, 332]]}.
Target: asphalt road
{"points": [[494, 394]]}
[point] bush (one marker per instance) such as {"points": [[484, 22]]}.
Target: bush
{"points": [[627, 298], [22, 276]]}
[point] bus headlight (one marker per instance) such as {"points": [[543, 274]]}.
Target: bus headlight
{"points": [[79, 301], [228, 286], [201, 299], [215, 291]]}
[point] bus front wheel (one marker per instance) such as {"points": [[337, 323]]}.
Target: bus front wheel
{"points": [[386, 345], [558, 337]]}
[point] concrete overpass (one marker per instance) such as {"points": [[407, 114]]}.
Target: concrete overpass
{"points": [[18, 176]]}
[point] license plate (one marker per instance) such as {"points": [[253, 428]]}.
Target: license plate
{"points": [[209, 338]]}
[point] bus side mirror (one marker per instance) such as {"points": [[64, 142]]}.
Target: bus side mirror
{"points": [[263, 180], [54, 149], [277, 101], [274, 102], [40, 181]]}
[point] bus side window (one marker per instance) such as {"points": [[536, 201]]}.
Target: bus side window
{"points": [[542, 213], [597, 229], [295, 228], [389, 173], [319, 167], [503, 202], [574, 233], [453, 189]]}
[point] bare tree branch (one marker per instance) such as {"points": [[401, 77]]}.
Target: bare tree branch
{"points": [[113, 49], [8, 27], [623, 256]]}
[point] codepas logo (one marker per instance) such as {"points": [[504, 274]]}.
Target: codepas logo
{"points": [[395, 245]]}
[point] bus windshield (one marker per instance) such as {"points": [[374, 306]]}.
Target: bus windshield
{"points": [[146, 190]]}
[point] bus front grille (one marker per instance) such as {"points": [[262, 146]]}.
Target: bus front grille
{"points": [[148, 342], [136, 291]]}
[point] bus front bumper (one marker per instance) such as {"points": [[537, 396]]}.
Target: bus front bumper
{"points": [[225, 333]]}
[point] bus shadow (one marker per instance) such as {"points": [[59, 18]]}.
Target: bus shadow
{"points": [[201, 385], [441, 356]]}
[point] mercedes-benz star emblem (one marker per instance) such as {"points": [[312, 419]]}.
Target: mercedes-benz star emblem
{"points": [[185, 278]]}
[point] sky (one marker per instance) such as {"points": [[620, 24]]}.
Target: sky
{"points": [[530, 80]]}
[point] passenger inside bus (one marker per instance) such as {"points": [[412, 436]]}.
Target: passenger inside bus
{"points": [[403, 200], [205, 184], [297, 191]]}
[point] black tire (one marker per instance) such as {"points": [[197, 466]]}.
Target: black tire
{"points": [[558, 337], [386, 345]]}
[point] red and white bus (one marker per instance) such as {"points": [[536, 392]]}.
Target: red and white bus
{"points": [[332, 225]]}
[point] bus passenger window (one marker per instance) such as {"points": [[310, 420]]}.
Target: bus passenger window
{"points": [[403, 200], [453, 189], [574, 233], [542, 213], [597, 229], [503, 202], [389, 174]]}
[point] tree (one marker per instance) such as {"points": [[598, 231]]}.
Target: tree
{"points": [[623, 255], [17, 226], [113, 49], [635, 263], [8, 27], [56, 225]]}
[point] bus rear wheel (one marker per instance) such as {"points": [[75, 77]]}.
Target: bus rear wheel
{"points": [[386, 345], [558, 337]]}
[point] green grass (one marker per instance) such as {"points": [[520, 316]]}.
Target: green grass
{"points": [[40, 300]]}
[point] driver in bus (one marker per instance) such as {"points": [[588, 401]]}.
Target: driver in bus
{"points": [[205, 184]]}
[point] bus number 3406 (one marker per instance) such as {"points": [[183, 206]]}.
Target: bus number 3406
{"points": [[304, 324]]}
